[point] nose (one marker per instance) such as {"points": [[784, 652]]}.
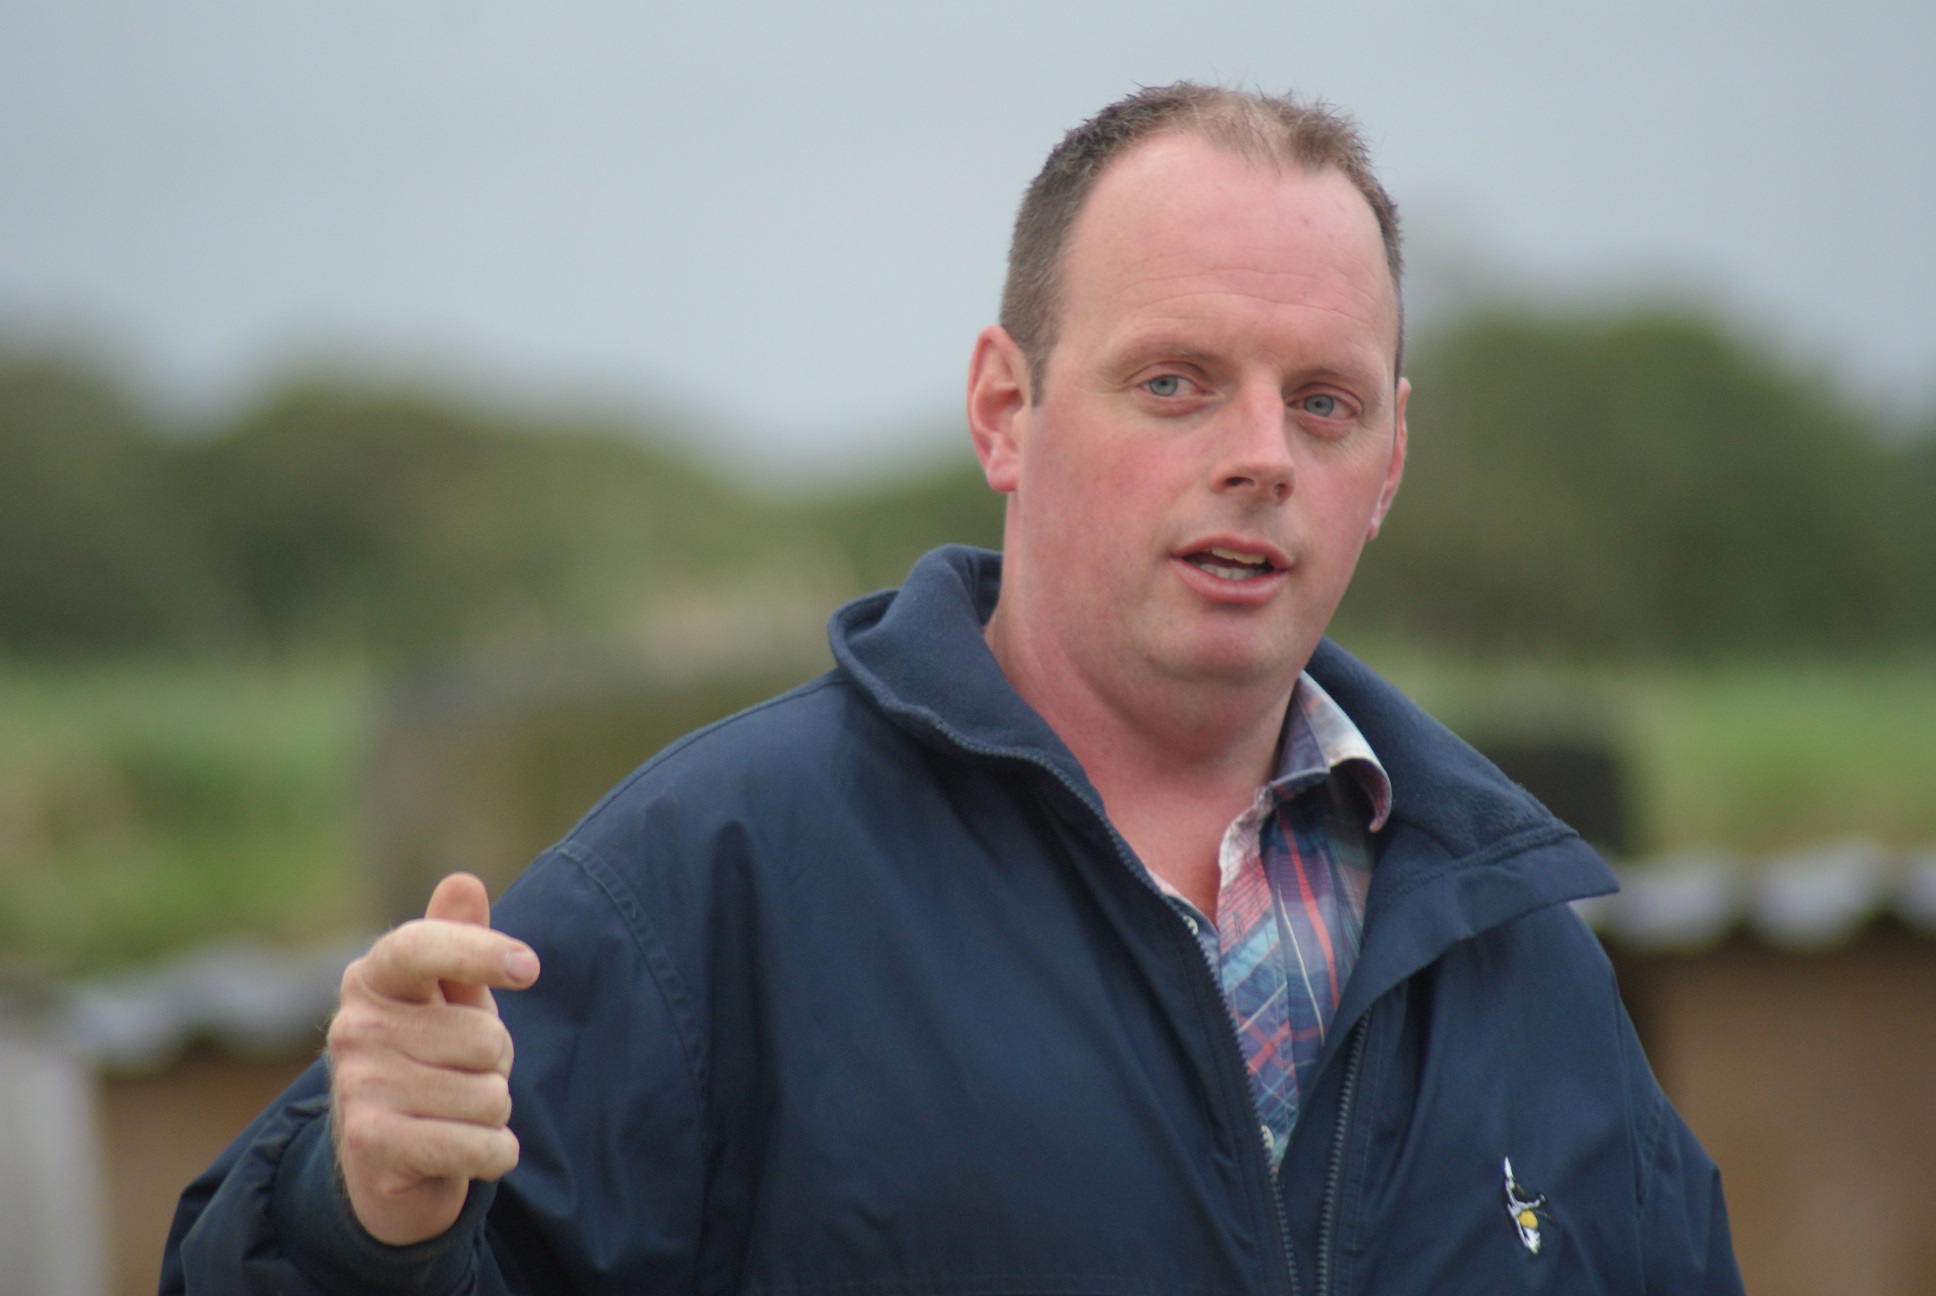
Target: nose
{"points": [[1255, 449]]}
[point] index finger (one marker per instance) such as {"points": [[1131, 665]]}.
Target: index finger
{"points": [[409, 962]]}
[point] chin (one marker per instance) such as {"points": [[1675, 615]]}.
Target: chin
{"points": [[1239, 666]]}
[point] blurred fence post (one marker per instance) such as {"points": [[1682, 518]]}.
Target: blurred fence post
{"points": [[53, 1239]]}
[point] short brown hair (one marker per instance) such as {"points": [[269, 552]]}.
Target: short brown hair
{"points": [[1270, 129]]}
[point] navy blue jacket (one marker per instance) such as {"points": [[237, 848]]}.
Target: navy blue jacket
{"points": [[859, 992]]}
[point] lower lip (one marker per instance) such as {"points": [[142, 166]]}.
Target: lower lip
{"points": [[1249, 592]]}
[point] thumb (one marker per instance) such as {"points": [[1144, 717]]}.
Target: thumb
{"points": [[461, 897]]}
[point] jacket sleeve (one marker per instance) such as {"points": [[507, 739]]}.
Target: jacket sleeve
{"points": [[1683, 1221], [1683, 1217], [607, 1193], [268, 1216]]}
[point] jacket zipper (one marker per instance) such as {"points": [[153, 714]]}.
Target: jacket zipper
{"points": [[1256, 1122], [1257, 1154], [1270, 1171], [1256, 1119], [1334, 1166]]}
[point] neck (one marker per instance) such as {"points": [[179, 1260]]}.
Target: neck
{"points": [[1174, 762]]}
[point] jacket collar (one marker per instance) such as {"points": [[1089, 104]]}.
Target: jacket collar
{"points": [[918, 653], [1464, 850]]}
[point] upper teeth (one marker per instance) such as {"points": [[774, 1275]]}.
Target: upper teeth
{"points": [[1231, 555]]}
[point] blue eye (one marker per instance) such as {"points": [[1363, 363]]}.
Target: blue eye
{"points": [[1321, 405], [1167, 385]]}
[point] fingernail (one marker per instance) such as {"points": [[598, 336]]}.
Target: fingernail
{"points": [[521, 964]]}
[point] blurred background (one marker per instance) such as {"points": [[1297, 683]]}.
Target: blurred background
{"points": [[410, 418]]}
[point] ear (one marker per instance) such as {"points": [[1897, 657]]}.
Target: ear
{"points": [[998, 406], [1396, 468]]}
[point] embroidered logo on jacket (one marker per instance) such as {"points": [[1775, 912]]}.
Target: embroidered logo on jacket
{"points": [[1524, 1209]]}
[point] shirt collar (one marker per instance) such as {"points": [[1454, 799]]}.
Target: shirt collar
{"points": [[1320, 738]]}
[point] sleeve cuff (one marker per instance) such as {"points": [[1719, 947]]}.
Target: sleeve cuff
{"points": [[320, 1232]]}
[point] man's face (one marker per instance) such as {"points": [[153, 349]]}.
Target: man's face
{"points": [[1218, 431]]}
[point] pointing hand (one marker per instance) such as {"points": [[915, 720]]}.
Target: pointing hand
{"points": [[420, 1065]]}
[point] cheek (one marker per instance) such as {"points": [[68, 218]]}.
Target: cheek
{"points": [[1348, 491], [1110, 491]]}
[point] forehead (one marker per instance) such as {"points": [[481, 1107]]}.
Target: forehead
{"points": [[1180, 226]]}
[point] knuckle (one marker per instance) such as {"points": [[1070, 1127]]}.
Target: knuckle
{"points": [[459, 1150], [497, 1099], [499, 1156], [347, 1030], [341, 1035], [364, 1031], [357, 1133], [355, 994], [350, 1085], [499, 1047], [407, 945]]}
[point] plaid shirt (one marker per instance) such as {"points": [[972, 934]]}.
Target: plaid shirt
{"points": [[1295, 868]]}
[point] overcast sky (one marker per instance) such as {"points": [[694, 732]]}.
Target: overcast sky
{"points": [[790, 218]]}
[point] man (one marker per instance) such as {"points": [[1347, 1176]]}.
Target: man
{"points": [[1093, 927]]}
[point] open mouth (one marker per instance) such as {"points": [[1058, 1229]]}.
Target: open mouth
{"points": [[1230, 564]]}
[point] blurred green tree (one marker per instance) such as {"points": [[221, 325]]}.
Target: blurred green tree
{"points": [[1636, 485], [1642, 484], [404, 526], [97, 550], [880, 530]]}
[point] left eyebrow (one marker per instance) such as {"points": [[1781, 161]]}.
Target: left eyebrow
{"points": [[1353, 378]]}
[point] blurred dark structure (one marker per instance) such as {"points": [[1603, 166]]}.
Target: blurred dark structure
{"points": [[1580, 781], [1788, 1007]]}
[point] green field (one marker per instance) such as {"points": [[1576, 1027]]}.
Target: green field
{"points": [[148, 807]]}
